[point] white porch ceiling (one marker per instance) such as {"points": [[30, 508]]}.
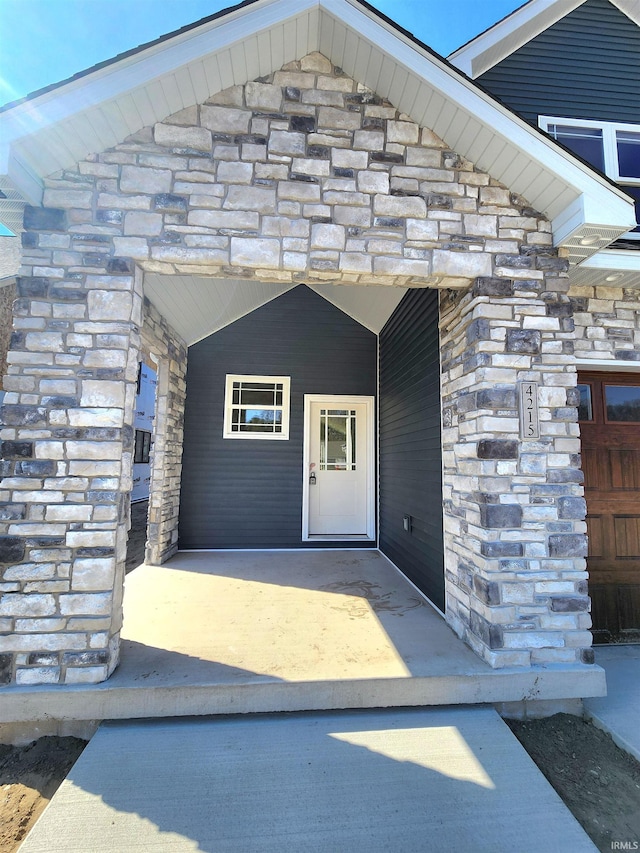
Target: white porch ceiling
{"points": [[197, 306], [56, 129]]}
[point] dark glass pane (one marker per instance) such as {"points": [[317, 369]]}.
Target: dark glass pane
{"points": [[236, 397], [236, 384], [628, 154], [257, 397], [278, 398], [336, 443], [585, 411], [586, 142], [623, 402]]}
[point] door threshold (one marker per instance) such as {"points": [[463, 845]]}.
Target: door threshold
{"points": [[322, 537]]}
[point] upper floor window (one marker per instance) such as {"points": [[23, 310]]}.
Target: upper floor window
{"points": [[612, 148]]}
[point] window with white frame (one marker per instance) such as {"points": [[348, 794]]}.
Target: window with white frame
{"points": [[611, 147], [256, 406]]}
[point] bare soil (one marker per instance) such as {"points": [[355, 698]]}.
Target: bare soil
{"points": [[598, 782], [29, 776]]}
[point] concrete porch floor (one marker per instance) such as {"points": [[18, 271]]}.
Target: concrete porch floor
{"points": [[245, 631]]}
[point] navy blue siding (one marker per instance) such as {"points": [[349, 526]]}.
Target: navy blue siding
{"points": [[248, 493], [410, 443], [585, 66]]}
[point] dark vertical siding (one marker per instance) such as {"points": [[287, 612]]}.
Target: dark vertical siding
{"points": [[248, 493], [585, 66], [410, 445]]}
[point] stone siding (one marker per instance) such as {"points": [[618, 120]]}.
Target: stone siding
{"points": [[7, 297], [170, 353], [515, 540], [303, 176], [607, 322]]}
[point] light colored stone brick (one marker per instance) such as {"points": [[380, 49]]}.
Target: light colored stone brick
{"points": [[173, 136], [137, 179], [327, 236], [225, 119], [255, 252], [224, 219], [399, 206], [263, 96], [260, 199], [102, 393], [235, 173], [403, 132], [287, 142], [137, 224]]}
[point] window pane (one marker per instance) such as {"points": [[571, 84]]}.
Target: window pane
{"points": [[628, 154], [623, 402], [586, 142], [259, 420], [585, 411]]}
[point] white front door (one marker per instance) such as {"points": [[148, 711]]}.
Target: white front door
{"points": [[339, 467]]}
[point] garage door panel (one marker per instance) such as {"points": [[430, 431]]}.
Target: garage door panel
{"points": [[611, 466]]}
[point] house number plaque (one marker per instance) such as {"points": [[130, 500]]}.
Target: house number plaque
{"points": [[529, 419]]}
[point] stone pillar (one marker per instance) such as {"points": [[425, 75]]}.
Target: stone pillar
{"points": [[515, 541], [166, 456], [67, 443]]}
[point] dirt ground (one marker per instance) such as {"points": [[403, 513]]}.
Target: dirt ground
{"points": [[598, 782], [29, 777]]}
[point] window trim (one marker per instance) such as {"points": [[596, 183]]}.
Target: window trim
{"points": [[285, 381], [609, 145]]}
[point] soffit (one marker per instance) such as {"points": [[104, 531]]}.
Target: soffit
{"points": [[610, 268], [197, 306], [56, 129]]}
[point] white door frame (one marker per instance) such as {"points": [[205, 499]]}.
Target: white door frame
{"points": [[339, 401]]}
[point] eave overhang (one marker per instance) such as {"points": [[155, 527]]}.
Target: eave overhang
{"points": [[55, 129]]}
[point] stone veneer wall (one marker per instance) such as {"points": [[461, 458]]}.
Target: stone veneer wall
{"points": [[170, 352], [306, 176], [7, 297], [607, 322], [515, 540]]}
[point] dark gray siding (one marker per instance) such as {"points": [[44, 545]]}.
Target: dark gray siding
{"points": [[585, 66], [248, 493], [410, 454]]}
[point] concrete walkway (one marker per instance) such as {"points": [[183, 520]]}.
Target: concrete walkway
{"points": [[389, 781], [618, 713]]}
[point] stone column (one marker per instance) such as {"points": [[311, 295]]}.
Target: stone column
{"points": [[67, 444], [515, 541], [166, 457]]}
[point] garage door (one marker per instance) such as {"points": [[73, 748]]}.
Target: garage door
{"points": [[609, 417]]}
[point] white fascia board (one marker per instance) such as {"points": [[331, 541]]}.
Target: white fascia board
{"points": [[509, 35], [600, 202], [625, 260], [108, 83]]}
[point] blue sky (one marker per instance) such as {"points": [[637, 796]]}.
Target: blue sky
{"points": [[46, 41]]}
